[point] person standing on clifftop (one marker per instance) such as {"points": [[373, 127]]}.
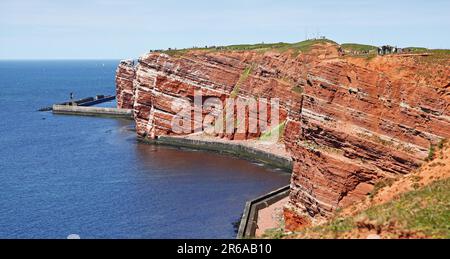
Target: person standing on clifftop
{"points": [[71, 96]]}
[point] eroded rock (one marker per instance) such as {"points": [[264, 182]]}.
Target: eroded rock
{"points": [[349, 122]]}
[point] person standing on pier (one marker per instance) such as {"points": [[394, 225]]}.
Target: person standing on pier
{"points": [[72, 102]]}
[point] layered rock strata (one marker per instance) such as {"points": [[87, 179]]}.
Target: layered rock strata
{"points": [[125, 76], [349, 122]]}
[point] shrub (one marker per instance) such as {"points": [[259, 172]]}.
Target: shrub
{"points": [[431, 153]]}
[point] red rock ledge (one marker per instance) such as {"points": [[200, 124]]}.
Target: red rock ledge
{"points": [[350, 122]]}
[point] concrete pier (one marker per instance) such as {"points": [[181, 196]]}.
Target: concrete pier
{"points": [[93, 111], [89, 101]]}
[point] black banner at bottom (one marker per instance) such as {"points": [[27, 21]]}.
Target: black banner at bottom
{"points": [[220, 248]]}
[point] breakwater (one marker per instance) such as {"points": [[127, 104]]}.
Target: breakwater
{"points": [[229, 148], [93, 111]]}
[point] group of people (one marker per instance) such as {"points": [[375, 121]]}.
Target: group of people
{"points": [[384, 50]]}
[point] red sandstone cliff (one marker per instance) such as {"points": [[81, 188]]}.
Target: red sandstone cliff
{"points": [[124, 84], [350, 122]]}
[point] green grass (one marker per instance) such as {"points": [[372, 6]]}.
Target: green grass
{"points": [[417, 49], [181, 52], [244, 76], [441, 51], [276, 233], [358, 47], [279, 129], [424, 212], [431, 153], [388, 182], [367, 51], [298, 47], [303, 46], [257, 46], [437, 53], [297, 89]]}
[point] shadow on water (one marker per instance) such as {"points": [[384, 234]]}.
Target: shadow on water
{"points": [[64, 175]]}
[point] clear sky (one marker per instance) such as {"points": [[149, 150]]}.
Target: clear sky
{"points": [[45, 29]]}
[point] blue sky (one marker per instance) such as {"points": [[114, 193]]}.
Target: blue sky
{"points": [[100, 29]]}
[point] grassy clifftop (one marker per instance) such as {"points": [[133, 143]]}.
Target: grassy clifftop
{"points": [[413, 206], [358, 47], [299, 46], [302, 46], [424, 213]]}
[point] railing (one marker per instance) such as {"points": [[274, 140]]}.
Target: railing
{"points": [[89, 101], [249, 221]]}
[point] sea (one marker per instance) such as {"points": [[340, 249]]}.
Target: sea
{"points": [[90, 177]]}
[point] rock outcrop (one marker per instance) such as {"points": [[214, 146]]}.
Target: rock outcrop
{"points": [[349, 122], [414, 206], [125, 76]]}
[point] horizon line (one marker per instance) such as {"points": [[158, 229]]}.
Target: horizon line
{"points": [[182, 48], [61, 59]]}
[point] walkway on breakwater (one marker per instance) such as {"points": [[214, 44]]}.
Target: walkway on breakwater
{"points": [[93, 111], [89, 101], [272, 154], [249, 221]]}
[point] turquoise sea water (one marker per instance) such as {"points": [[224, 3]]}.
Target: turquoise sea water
{"points": [[62, 175]]}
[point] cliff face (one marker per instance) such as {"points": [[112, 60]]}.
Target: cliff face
{"points": [[350, 122], [360, 124], [414, 206], [163, 85], [125, 84]]}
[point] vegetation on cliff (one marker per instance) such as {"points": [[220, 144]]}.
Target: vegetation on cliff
{"points": [[302, 46], [296, 48], [352, 122], [414, 206], [423, 213], [244, 76], [358, 47]]}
